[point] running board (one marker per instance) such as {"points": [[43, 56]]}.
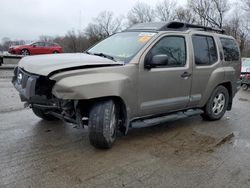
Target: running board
{"points": [[166, 118]]}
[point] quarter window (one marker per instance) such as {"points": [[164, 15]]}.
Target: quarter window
{"points": [[230, 49], [205, 52], [172, 46]]}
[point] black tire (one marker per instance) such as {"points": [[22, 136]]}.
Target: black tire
{"points": [[25, 52], [102, 124], [214, 109], [41, 114], [244, 87], [55, 52]]}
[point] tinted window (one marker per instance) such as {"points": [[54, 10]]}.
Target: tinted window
{"points": [[174, 47], [204, 50], [48, 44], [39, 44], [231, 51]]}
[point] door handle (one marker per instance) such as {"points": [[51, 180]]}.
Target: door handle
{"points": [[186, 75]]}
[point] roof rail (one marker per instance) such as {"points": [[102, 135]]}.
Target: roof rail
{"points": [[175, 26], [185, 26]]}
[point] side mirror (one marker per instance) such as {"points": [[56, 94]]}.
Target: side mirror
{"points": [[158, 60], [34, 45]]}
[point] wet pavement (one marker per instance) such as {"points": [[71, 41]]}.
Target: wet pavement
{"points": [[185, 153]]}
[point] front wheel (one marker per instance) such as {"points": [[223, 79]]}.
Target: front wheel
{"points": [[217, 104], [103, 123]]}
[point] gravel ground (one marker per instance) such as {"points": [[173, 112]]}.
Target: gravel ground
{"points": [[6, 73], [185, 153]]}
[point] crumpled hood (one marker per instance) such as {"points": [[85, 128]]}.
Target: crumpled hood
{"points": [[46, 64]]}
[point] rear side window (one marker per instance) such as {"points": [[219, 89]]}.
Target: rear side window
{"points": [[230, 48], [48, 44], [204, 50]]}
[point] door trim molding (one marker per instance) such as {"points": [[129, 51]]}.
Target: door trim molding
{"points": [[164, 102]]}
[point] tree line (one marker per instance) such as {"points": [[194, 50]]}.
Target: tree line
{"points": [[223, 14]]}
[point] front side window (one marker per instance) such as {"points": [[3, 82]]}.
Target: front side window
{"points": [[175, 49], [122, 46], [230, 49], [205, 52], [39, 44]]}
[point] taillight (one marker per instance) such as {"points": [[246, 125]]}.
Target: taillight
{"points": [[247, 73]]}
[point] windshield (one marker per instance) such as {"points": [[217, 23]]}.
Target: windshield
{"points": [[122, 46]]}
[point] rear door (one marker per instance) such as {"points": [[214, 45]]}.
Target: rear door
{"points": [[206, 67], [166, 88], [49, 48]]}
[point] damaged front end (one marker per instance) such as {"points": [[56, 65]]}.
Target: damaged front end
{"points": [[36, 92]]}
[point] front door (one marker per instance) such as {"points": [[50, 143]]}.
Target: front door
{"points": [[38, 48], [165, 88]]}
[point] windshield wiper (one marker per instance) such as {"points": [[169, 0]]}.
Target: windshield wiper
{"points": [[102, 55]]}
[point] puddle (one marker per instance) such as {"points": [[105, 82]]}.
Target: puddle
{"points": [[241, 143], [243, 99]]}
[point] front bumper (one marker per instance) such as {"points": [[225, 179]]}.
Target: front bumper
{"points": [[35, 90], [13, 51], [25, 83]]}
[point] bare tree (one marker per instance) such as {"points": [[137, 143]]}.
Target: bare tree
{"points": [[93, 32], [104, 25], [246, 5], [210, 12], [140, 13], [201, 9], [107, 23], [6, 43], [73, 42], [45, 38], [184, 15], [166, 10], [239, 29], [220, 7]]}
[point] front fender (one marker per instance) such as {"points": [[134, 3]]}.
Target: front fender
{"points": [[90, 86]]}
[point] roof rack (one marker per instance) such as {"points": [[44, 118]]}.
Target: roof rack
{"points": [[174, 26]]}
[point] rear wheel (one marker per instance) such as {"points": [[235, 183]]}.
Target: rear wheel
{"points": [[217, 104], [25, 52], [103, 123], [55, 52], [43, 115]]}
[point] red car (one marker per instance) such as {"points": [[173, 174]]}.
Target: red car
{"points": [[36, 48]]}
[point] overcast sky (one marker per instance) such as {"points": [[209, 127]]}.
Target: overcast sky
{"points": [[29, 19]]}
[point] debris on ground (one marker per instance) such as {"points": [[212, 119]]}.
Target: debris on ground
{"points": [[225, 139]]}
